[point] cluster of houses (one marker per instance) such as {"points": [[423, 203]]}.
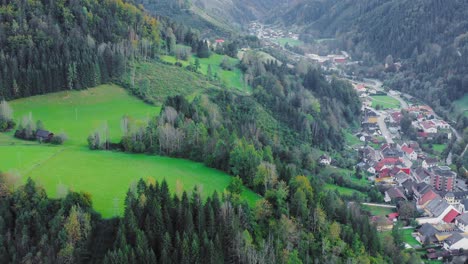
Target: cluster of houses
{"points": [[427, 125], [269, 33], [331, 58], [405, 173], [441, 203]]}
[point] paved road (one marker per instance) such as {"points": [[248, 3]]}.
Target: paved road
{"points": [[383, 127]]}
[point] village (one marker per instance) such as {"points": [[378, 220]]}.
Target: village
{"points": [[398, 157]]}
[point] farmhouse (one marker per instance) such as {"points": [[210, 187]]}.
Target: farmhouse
{"points": [[325, 160], [44, 135]]}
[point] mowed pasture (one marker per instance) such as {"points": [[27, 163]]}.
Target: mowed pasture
{"points": [[106, 176], [385, 101]]}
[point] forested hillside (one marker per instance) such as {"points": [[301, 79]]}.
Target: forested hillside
{"points": [[48, 46], [428, 37], [159, 227]]}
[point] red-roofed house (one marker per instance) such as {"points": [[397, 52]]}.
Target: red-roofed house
{"points": [[427, 197], [396, 117], [410, 153], [450, 217], [428, 126], [219, 41], [393, 216]]}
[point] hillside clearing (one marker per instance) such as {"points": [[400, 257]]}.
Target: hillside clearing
{"points": [[105, 175]]}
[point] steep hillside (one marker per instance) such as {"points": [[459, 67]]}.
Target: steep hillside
{"points": [[47, 46]]}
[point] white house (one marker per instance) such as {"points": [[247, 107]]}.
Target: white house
{"points": [[462, 222], [456, 242], [409, 152], [325, 160], [429, 163]]}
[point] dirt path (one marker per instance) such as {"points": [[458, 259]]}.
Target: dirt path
{"points": [[37, 165]]}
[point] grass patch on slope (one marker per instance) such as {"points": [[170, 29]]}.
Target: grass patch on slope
{"points": [[105, 175], [79, 113], [157, 81], [230, 79]]}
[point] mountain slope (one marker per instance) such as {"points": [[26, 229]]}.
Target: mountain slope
{"points": [[47, 46]]}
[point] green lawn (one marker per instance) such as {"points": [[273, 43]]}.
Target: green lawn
{"points": [[79, 113], [385, 101], [352, 140], [377, 210], [232, 79], [105, 175], [290, 41], [439, 147], [408, 238]]}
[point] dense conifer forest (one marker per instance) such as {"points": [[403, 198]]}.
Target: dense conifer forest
{"points": [[48, 46]]}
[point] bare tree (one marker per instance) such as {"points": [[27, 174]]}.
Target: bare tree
{"points": [[6, 113]]}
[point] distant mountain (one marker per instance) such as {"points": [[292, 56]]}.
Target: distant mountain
{"points": [[238, 11], [212, 17]]}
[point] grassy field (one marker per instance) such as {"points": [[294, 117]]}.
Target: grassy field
{"points": [[79, 113], [408, 238], [290, 41], [385, 101], [231, 79], [105, 175], [377, 210]]}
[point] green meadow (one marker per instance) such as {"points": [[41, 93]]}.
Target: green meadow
{"points": [[106, 176], [79, 113], [385, 101]]}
